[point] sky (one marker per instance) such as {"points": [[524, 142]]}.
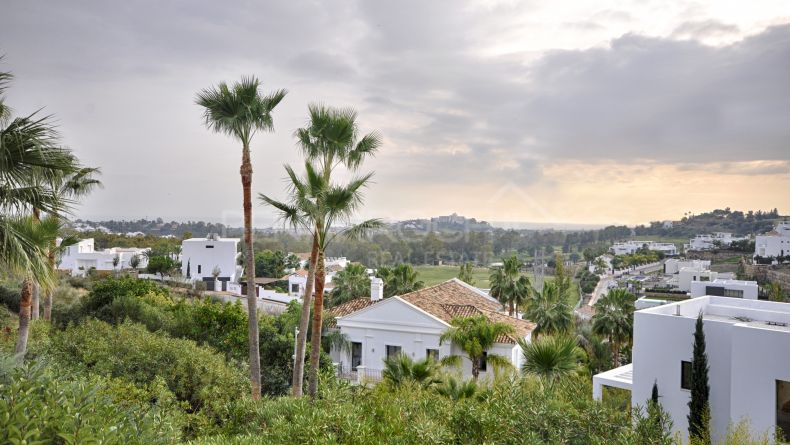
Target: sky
{"points": [[586, 112]]}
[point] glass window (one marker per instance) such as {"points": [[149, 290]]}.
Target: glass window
{"points": [[393, 351], [432, 354], [294, 287], [198, 268], [356, 355], [783, 407], [734, 293], [685, 375]]}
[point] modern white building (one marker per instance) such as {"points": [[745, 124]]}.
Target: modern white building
{"points": [[82, 257], [411, 324], [200, 257], [725, 288], [673, 265], [775, 243], [687, 275], [630, 247], [748, 349], [712, 241]]}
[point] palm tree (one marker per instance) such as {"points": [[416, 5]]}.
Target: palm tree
{"points": [[550, 311], [614, 319], [465, 274], [317, 205], [401, 370], [240, 111], [399, 280], [508, 286], [330, 139], [350, 283], [550, 357], [475, 336], [456, 389]]}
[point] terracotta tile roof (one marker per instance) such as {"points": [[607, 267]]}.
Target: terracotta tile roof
{"points": [[449, 300]]}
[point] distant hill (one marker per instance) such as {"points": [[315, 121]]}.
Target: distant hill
{"points": [[149, 227], [719, 220]]}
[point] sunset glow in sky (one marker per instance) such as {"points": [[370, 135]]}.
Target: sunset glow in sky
{"points": [[580, 112]]}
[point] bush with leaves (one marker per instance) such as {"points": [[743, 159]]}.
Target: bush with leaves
{"points": [[38, 405]]}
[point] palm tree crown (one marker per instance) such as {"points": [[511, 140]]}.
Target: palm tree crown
{"points": [[475, 336], [550, 311]]}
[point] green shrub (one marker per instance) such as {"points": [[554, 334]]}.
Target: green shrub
{"points": [[195, 374], [9, 297], [36, 406]]}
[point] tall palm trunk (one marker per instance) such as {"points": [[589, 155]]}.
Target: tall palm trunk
{"points": [[476, 368], [24, 315], [252, 300], [48, 292], [35, 302], [304, 320], [318, 312]]}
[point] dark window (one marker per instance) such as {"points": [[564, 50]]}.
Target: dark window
{"points": [[209, 247], [685, 375], [484, 362], [714, 290], [295, 287], [393, 351], [432, 354], [734, 293], [356, 355], [783, 407], [198, 268]]}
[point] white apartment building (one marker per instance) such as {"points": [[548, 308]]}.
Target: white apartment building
{"points": [[748, 349], [630, 247], [710, 241], [199, 257], [725, 288], [82, 257], [673, 265], [775, 243]]}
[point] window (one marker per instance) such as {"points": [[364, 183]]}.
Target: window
{"points": [[685, 375], [704, 278], [484, 362], [432, 354], [393, 351], [209, 247], [734, 293], [198, 268], [356, 355], [294, 287], [783, 407]]}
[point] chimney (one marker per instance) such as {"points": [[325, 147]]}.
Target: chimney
{"points": [[376, 289]]}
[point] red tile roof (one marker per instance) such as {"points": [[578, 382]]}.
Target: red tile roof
{"points": [[449, 300]]}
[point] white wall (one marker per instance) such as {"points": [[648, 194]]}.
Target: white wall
{"points": [[750, 289], [397, 323], [202, 259], [689, 274]]}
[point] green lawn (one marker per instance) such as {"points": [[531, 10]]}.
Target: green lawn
{"points": [[437, 274]]}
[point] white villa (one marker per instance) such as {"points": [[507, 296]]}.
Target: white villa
{"points": [[630, 247], [748, 348], [82, 257], [199, 257], [711, 241], [775, 243], [412, 323], [725, 288], [673, 265]]}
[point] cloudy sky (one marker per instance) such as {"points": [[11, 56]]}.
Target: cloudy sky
{"points": [[607, 111]]}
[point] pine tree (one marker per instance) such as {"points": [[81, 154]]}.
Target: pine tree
{"points": [[654, 393], [700, 390]]}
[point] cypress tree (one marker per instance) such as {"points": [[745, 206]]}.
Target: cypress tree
{"points": [[700, 390], [654, 393]]}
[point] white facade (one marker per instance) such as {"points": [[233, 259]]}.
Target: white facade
{"points": [[725, 288], [687, 275], [396, 323], [711, 241], [199, 257], [673, 265], [774, 244], [748, 349], [82, 257], [630, 247]]}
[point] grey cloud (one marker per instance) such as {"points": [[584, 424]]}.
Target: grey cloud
{"points": [[704, 29]]}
